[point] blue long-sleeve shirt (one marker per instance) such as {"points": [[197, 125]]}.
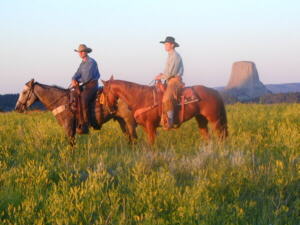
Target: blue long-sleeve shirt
{"points": [[87, 71]]}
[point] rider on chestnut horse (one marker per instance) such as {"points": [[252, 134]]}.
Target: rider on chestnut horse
{"points": [[87, 74], [172, 75]]}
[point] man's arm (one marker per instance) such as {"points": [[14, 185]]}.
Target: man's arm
{"points": [[77, 75], [177, 69]]}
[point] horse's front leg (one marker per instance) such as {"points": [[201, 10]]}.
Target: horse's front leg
{"points": [[128, 128], [68, 122], [132, 132], [122, 125], [131, 128], [151, 133]]}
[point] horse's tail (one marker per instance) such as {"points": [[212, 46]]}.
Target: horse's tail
{"points": [[222, 117]]}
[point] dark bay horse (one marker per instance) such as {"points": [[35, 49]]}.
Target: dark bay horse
{"points": [[144, 101], [57, 100]]}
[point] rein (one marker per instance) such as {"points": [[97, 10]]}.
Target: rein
{"points": [[59, 98], [60, 108], [146, 109], [104, 101]]}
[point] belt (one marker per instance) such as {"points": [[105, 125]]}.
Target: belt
{"points": [[91, 84], [173, 77]]}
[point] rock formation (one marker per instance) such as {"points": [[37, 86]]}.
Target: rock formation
{"points": [[244, 82]]}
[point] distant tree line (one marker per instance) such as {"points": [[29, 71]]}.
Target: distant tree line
{"points": [[266, 99], [280, 98], [8, 102]]}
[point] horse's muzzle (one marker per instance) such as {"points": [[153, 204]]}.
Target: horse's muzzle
{"points": [[20, 107]]}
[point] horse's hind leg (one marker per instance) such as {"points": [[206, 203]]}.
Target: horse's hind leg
{"points": [[221, 129], [202, 124]]}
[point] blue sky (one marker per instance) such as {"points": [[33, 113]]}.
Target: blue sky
{"points": [[38, 37]]}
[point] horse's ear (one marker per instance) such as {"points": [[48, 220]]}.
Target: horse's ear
{"points": [[111, 77], [103, 82], [31, 82]]}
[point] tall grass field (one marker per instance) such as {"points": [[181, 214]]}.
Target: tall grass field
{"points": [[253, 177]]}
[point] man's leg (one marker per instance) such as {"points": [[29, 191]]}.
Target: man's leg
{"points": [[168, 108], [86, 97], [169, 101], [84, 103]]}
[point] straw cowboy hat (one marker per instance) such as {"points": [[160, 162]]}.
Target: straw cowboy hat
{"points": [[170, 40], [83, 48]]}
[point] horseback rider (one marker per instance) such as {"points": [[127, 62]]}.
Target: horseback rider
{"points": [[87, 74], [172, 75]]}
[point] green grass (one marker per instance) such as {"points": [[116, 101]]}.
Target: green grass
{"points": [[251, 178]]}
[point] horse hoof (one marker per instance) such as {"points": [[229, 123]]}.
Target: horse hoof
{"points": [[82, 131]]}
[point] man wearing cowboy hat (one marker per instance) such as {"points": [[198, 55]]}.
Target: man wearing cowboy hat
{"points": [[87, 74], [172, 75]]}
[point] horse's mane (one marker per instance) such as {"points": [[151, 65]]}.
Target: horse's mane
{"points": [[132, 85], [53, 86], [142, 94]]}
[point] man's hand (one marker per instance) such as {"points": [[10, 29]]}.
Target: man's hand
{"points": [[159, 76], [74, 83]]}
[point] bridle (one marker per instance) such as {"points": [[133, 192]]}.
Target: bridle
{"points": [[28, 96], [111, 109], [31, 92]]}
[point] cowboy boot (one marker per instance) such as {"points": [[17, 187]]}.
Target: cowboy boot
{"points": [[170, 117], [83, 126], [167, 120]]}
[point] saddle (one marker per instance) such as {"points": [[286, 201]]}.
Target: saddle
{"points": [[186, 96]]}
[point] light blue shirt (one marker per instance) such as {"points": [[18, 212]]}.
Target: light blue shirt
{"points": [[174, 65]]}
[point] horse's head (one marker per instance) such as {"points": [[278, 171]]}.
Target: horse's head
{"points": [[26, 97], [109, 95]]}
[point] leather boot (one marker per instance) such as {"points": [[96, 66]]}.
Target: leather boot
{"points": [[167, 120], [170, 117], [85, 125]]}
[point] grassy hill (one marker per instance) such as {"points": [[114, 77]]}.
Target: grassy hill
{"points": [[251, 178]]}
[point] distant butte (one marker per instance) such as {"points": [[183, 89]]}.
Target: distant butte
{"points": [[244, 82]]}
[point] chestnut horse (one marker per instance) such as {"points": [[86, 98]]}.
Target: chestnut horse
{"points": [[145, 102], [57, 100]]}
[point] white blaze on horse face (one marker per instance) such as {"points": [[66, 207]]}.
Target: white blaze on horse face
{"points": [[23, 94], [25, 98]]}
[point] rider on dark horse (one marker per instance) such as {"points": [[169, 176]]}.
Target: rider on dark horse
{"points": [[172, 75], [87, 74]]}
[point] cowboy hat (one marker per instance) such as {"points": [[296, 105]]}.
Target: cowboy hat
{"points": [[83, 48], [170, 40]]}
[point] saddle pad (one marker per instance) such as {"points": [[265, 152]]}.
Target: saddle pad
{"points": [[102, 99]]}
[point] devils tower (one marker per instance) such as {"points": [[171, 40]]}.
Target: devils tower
{"points": [[244, 81]]}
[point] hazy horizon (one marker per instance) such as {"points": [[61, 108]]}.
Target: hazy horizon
{"points": [[38, 38]]}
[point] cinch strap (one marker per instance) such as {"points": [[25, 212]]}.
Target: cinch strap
{"points": [[59, 109]]}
